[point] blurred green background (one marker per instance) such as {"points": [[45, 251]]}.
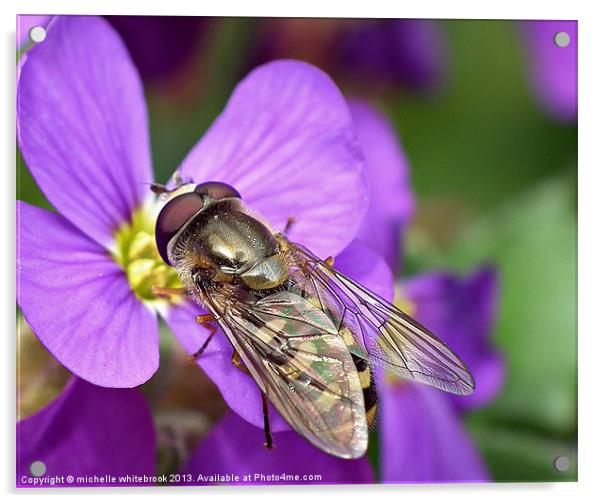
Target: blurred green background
{"points": [[495, 181]]}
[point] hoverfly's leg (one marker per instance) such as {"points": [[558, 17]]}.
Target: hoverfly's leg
{"points": [[269, 444], [329, 261], [205, 321], [290, 221], [239, 364], [167, 292]]}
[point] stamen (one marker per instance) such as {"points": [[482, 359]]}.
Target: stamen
{"points": [[136, 252]]}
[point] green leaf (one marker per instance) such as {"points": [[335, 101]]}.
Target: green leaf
{"points": [[27, 189], [481, 137], [521, 456], [179, 119], [532, 241]]}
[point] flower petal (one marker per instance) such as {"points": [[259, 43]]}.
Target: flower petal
{"points": [[79, 304], [88, 431], [239, 390], [422, 438], [462, 312], [82, 125], [392, 201], [286, 141], [553, 69], [236, 448], [366, 267]]}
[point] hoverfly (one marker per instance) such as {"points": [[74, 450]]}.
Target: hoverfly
{"points": [[307, 334]]}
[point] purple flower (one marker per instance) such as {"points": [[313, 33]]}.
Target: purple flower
{"points": [[160, 46], [371, 55], [422, 437], [396, 52], [285, 140], [553, 69], [392, 202], [421, 433], [234, 447], [88, 432], [462, 312]]}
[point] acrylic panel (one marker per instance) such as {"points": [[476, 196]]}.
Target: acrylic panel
{"points": [[295, 251]]}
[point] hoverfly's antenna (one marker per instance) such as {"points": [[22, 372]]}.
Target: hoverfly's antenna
{"points": [[159, 188]]}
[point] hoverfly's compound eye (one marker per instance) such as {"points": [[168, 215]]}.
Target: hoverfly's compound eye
{"points": [[217, 190], [173, 216]]}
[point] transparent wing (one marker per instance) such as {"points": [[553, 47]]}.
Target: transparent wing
{"points": [[383, 334], [294, 353]]}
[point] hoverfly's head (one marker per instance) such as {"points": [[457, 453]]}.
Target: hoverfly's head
{"points": [[182, 205]]}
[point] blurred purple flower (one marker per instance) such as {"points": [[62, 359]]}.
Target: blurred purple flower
{"points": [[234, 447], [421, 436], [462, 312], [160, 46], [88, 431], [392, 201], [395, 52], [371, 55], [553, 69], [84, 276]]}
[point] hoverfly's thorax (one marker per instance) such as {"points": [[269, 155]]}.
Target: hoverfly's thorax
{"points": [[229, 245], [235, 240]]}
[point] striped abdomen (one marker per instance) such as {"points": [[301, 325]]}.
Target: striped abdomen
{"points": [[366, 379]]}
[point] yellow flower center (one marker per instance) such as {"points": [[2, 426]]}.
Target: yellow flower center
{"points": [[136, 252], [403, 302]]}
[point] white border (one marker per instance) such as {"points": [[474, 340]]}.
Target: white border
{"points": [[509, 9], [590, 251]]}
